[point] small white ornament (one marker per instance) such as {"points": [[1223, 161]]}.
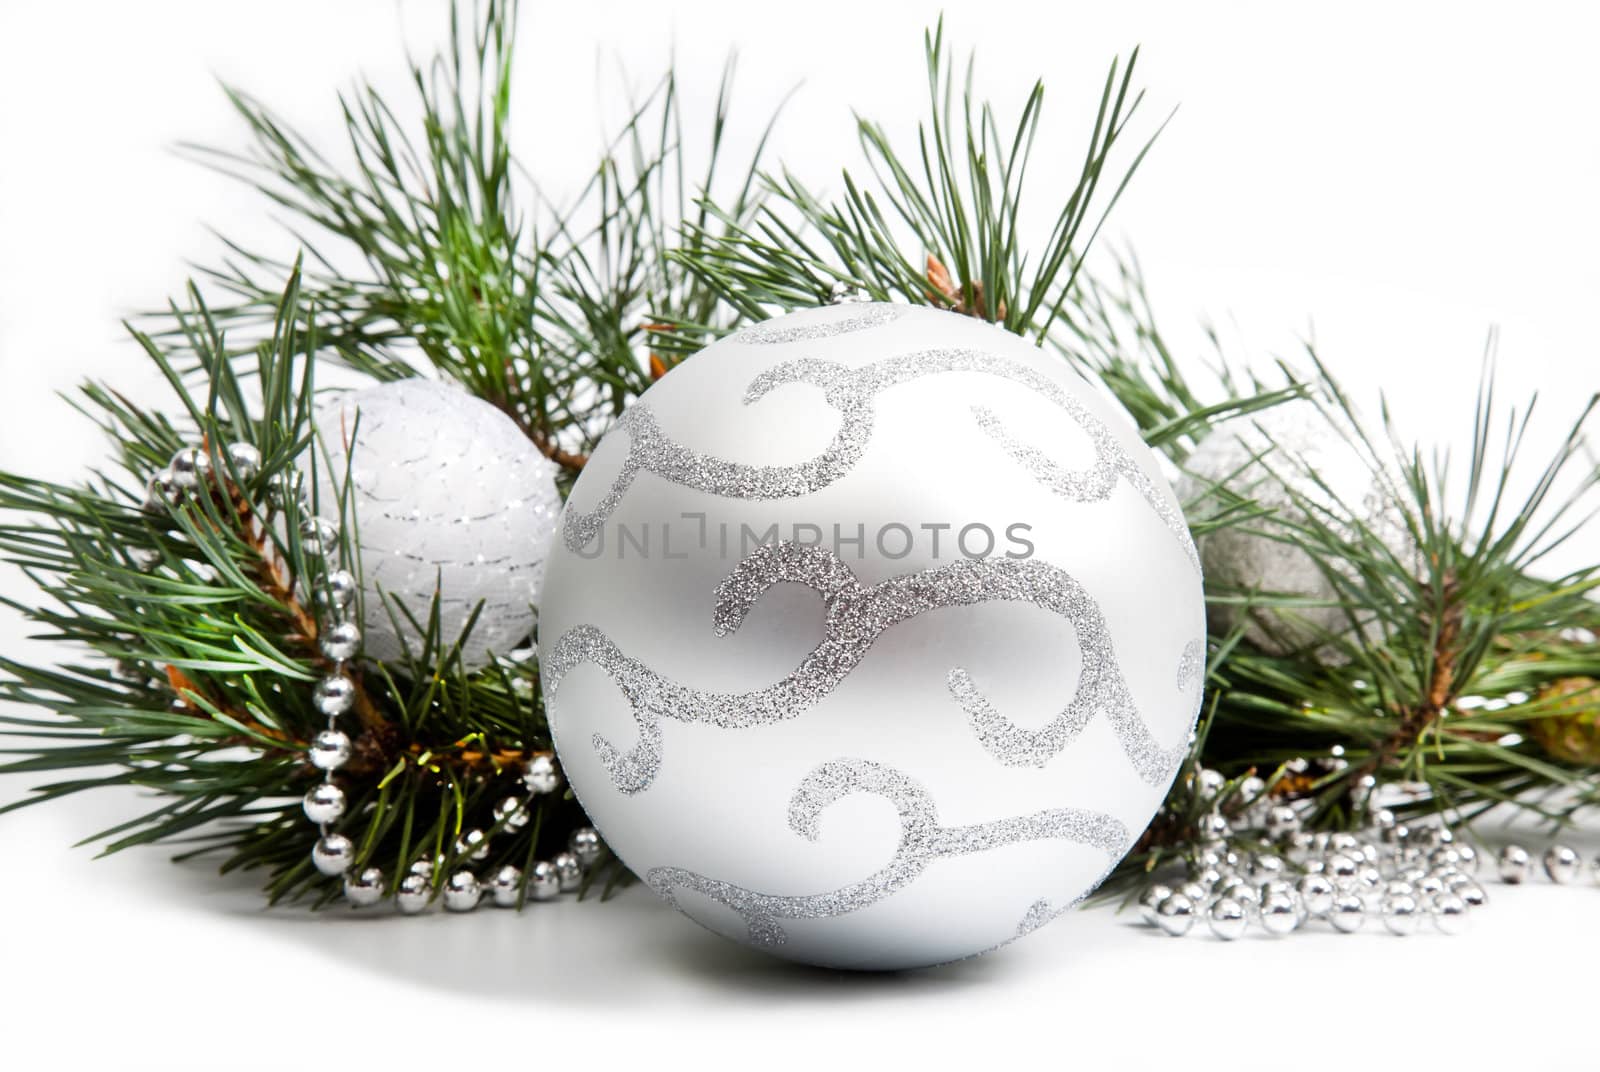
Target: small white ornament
{"points": [[872, 637], [1282, 457], [448, 495]]}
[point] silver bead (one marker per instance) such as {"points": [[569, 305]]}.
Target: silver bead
{"points": [[1245, 894], [189, 467], [341, 641], [1210, 878], [1444, 857], [1469, 857], [1316, 893], [570, 871], [1348, 844], [1450, 913], [1472, 894], [426, 867], [541, 775], [461, 892], [1196, 893], [324, 803], [334, 695], [1514, 863], [1382, 819], [1213, 827], [1429, 886], [144, 559], [1251, 788], [1175, 915], [1397, 887], [585, 845], [414, 894], [365, 889], [1347, 914], [333, 854], [1369, 877], [1265, 868], [1562, 864], [543, 882], [1228, 919], [1282, 821], [1342, 867], [318, 535], [505, 886], [246, 461], [338, 591], [1208, 782], [1401, 913], [161, 493], [473, 844], [511, 814], [1149, 900], [329, 750], [1280, 913], [1208, 859]]}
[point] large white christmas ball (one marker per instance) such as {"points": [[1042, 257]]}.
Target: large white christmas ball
{"points": [[1290, 458], [872, 636], [450, 499]]}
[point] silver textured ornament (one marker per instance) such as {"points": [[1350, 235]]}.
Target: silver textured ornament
{"points": [[1514, 864], [1227, 918], [364, 889], [568, 870], [544, 883], [450, 498], [541, 774], [462, 892], [413, 894], [324, 803], [1562, 864], [505, 885], [329, 750], [333, 854], [1175, 915], [808, 772], [1284, 458]]}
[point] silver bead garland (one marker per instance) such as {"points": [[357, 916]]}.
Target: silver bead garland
{"points": [[333, 591], [1398, 873]]}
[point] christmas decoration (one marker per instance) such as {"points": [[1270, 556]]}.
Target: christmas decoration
{"points": [[1293, 460], [1003, 619], [238, 625], [451, 502]]}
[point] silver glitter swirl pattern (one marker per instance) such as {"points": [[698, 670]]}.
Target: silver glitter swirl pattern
{"points": [[922, 840], [851, 392], [773, 333], [855, 616]]}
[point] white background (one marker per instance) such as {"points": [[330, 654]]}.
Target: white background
{"points": [[1393, 180]]}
